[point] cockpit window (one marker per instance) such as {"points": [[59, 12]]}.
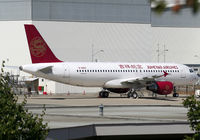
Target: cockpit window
{"points": [[191, 71]]}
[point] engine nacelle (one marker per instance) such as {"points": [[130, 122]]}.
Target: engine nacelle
{"points": [[118, 90], [161, 87]]}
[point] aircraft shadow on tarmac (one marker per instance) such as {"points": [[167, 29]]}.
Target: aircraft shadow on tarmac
{"points": [[111, 97], [161, 98]]}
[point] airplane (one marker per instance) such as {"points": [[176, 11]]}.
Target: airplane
{"points": [[117, 77]]}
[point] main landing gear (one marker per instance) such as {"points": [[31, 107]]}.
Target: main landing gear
{"points": [[174, 93], [133, 94], [103, 94]]}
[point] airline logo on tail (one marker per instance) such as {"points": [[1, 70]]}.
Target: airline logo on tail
{"points": [[39, 50], [37, 47]]}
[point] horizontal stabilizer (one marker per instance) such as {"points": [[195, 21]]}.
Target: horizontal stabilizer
{"points": [[46, 70]]}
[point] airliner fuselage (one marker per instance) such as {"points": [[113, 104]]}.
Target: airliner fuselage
{"points": [[99, 74]]}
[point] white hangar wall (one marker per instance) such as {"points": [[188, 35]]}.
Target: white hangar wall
{"points": [[14, 47], [73, 41], [127, 31], [182, 44]]}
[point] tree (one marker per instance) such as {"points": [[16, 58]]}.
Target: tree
{"points": [[161, 5], [15, 120], [193, 115]]}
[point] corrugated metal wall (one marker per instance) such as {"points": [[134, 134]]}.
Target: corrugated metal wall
{"points": [[15, 10], [130, 11], [126, 11]]}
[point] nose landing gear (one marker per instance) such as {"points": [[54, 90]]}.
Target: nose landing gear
{"points": [[103, 94]]}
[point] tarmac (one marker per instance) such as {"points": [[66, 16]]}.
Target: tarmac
{"points": [[78, 109], [78, 116]]}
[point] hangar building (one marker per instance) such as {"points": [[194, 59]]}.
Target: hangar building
{"points": [[76, 30]]}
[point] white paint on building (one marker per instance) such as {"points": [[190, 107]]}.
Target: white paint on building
{"points": [[73, 41]]}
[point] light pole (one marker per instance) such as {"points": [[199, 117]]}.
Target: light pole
{"points": [[95, 53], [158, 51], [165, 50], [197, 56]]}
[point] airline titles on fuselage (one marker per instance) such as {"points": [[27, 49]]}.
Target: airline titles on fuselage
{"points": [[133, 68]]}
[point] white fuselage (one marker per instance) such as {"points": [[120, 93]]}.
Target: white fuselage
{"points": [[99, 74]]}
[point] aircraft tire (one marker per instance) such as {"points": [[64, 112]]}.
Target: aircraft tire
{"points": [[106, 94], [134, 95], [101, 94], [129, 95]]}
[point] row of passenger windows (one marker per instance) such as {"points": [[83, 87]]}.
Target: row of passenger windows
{"points": [[127, 70]]}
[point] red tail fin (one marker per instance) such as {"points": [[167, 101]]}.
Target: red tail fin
{"points": [[39, 50]]}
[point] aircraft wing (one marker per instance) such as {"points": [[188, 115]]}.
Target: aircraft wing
{"points": [[142, 81], [136, 82]]}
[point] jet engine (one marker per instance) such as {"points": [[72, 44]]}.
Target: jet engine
{"points": [[161, 87]]}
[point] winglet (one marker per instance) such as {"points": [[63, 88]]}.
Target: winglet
{"points": [[165, 73], [39, 50]]}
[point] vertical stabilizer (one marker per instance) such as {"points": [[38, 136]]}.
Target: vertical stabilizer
{"points": [[39, 50]]}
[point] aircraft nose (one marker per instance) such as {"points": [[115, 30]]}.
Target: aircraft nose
{"points": [[196, 77], [20, 68]]}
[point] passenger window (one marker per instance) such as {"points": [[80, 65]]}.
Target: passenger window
{"points": [[191, 71]]}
